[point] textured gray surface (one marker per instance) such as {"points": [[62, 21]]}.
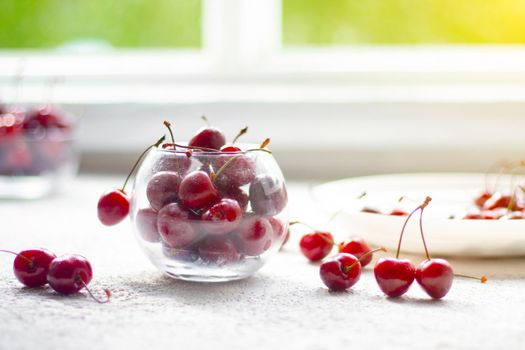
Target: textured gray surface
{"points": [[283, 306]]}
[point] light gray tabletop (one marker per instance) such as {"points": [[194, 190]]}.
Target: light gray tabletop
{"points": [[283, 306]]}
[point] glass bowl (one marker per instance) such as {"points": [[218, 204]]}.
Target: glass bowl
{"points": [[210, 217], [34, 162]]}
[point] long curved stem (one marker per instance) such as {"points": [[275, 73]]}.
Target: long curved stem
{"points": [[17, 254], [422, 234], [108, 294], [156, 144], [421, 207], [363, 257]]}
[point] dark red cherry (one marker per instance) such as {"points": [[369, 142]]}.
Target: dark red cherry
{"points": [[218, 250], [230, 149], [146, 221], [268, 196], [222, 217], [113, 207], [175, 226], [173, 162], [197, 191], [357, 247], [394, 276], [47, 117], [317, 245], [340, 272], [398, 212], [69, 273], [209, 137], [515, 215], [238, 195], [163, 188], [234, 171], [31, 266], [435, 276], [254, 235]]}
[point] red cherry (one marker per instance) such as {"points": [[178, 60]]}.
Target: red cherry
{"points": [[208, 137], [31, 266], [222, 217], [254, 235], [317, 245], [146, 222], [11, 124], [47, 117], [163, 189], [175, 227], [238, 195], [218, 250], [176, 162], [113, 207], [482, 198], [435, 276], [357, 247], [398, 212], [197, 191], [473, 216], [277, 227], [268, 196], [69, 273], [394, 276], [234, 171], [497, 200], [515, 215], [340, 272], [230, 149]]}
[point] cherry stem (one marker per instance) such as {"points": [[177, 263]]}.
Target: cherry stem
{"points": [[482, 279], [98, 300], [205, 149], [241, 132], [18, 254], [363, 257], [168, 125], [156, 144], [206, 120], [421, 231], [337, 213], [422, 206]]}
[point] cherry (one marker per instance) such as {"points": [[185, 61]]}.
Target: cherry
{"points": [[435, 276], [230, 149], [197, 190], [234, 171], [343, 270], [146, 221], [31, 266], [222, 217], [176, 162], [482, 198], [218, 250], [317, 245], [497, 200], [209, 137], [47, 117], [163, 189], [268, 196], [357, 247], [394, 275], [175, 227], [238, 195], [11, 124], [254, 235], [113, 207], [398, 212]]}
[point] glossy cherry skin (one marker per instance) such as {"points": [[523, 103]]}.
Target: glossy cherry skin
{"points": [[33, 274], [317, 245], [67, 272], [398, 212], [394, 276], [174, 162], [222, 217], [113, 207], [146, 221], [230, 149], [254, 235], [357, 247], [237, 171], [175, 227], [197, 191], [435, 276], [336, 273], [163, 188], [218, 250], [209, 137], [268, 196]]}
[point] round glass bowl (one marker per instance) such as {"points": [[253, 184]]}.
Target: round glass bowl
{"points": [[210, 217], [35, 166]]}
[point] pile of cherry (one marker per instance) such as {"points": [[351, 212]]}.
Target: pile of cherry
{"points": [[393, 275], [66, 274], [32, 142], [220, 213]]}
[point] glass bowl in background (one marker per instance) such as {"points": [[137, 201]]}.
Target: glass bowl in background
{"points": [[37, 153], [210, 217]]}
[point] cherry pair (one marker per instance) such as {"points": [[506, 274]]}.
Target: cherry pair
{"points": [[66, 274]]}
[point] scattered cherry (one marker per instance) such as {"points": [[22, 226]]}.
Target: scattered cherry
{"points": [[357, 247], [435, 276], [209, 137], [31, 266], [113, 207], [316, 245]]}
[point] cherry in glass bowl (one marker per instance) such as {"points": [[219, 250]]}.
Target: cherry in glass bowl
{"points": [[211, 216], [37, 153]]}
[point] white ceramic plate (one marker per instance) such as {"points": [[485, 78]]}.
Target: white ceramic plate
{"points": [[452, 194]]}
